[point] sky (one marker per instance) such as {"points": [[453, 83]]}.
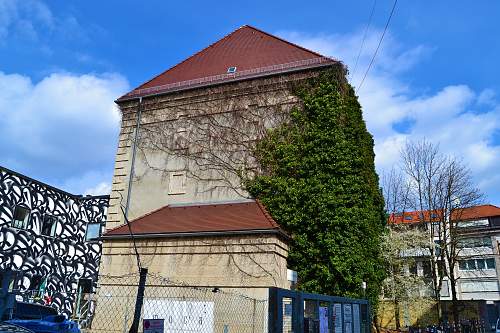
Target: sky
{"points": [[63, 63]]}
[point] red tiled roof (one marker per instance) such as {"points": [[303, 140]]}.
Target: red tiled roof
{"points": [[250, 50], [470, 213], [227, 217]]}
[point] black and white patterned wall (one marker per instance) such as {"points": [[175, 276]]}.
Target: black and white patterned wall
{"points": [[56, 257]]}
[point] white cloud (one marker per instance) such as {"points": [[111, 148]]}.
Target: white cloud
{"points": [[100, 189], [448, 116], [21, 16], [61, 128]]}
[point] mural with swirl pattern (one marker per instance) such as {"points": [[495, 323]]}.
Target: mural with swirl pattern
{"points": [[50, 238]]}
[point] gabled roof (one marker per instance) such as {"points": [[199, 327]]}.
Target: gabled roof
{"points": [[253, 52], [470, 213], [187, 220]]}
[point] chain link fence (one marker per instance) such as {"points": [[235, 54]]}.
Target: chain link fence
{"points": [[182, 308]]}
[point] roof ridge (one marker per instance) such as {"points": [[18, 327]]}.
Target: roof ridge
{"points": [[150, 213], [186, 59], [267, 214], [284, 40], [136, 219]]}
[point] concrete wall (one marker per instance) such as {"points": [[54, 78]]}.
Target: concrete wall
{"points": [[249, 264]]}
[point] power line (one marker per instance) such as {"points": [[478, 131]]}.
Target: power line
{"points": [[378, 46], [364, 37]]}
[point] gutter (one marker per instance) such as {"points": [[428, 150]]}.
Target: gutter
{"points": [[277, 231]]}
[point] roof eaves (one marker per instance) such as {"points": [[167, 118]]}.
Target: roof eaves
{"points": [[130, 96], [197, 234]]}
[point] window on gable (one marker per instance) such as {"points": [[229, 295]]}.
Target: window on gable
{"points": [[177, 183], [21, 217], [93, 231], [180, 138], [49, 226]]}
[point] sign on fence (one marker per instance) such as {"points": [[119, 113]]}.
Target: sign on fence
{"points": [[181, 316], [152, 326]]}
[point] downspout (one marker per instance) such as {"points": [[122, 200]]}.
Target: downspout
{"points": [[134, 149]]}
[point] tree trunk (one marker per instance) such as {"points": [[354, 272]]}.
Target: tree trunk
{"points": [[454, 301], [397, 314], [376, 322]]}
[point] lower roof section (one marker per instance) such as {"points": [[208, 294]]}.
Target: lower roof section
{"points": [[246, 217]]}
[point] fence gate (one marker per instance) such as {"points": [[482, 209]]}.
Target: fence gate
{"points": [[296, 312]]}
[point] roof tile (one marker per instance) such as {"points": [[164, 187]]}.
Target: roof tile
{"points": [[241, 216], [248, 49]]}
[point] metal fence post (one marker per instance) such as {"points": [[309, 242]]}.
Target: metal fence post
{"points": [[139, 300]]}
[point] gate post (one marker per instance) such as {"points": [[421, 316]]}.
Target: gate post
{"points": [[275, 316]]}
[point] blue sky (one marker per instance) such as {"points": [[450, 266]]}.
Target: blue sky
{"points": [[63, 63]]}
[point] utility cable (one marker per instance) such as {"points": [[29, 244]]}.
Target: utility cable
{"points": [[364, 37], [378, 46]]}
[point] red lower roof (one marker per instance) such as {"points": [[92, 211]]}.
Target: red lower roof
{"points": [[469, 213], [227, 217]]}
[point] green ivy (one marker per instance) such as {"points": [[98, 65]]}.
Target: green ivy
{"points": [[319, 183]]}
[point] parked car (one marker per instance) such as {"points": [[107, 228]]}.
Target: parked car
{"points": [[41, 319], [11, 328]]}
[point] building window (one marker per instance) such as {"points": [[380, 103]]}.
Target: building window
{"points": [[93, 231], [476, 264], [49, 226], [473, 223], [177, 183], [479, 286], [475, 242], [413, 269], [21, 216]]}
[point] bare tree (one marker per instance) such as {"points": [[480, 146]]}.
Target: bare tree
{"points": [[422, 164], [399, 243], [442, 189]]}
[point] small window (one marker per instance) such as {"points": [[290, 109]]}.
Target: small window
{"points": [[471, 264], [486, 242], [481, 264], [177, 184], [408, 218], [93, 231], [490, 263], [49, 226], [413, 269], [462, 265], [21, 216], [231, 70]]}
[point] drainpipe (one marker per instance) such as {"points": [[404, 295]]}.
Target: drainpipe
{"points": [[134, 149]]}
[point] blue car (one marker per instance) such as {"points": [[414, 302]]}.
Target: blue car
{"points": [[42, 319]]}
